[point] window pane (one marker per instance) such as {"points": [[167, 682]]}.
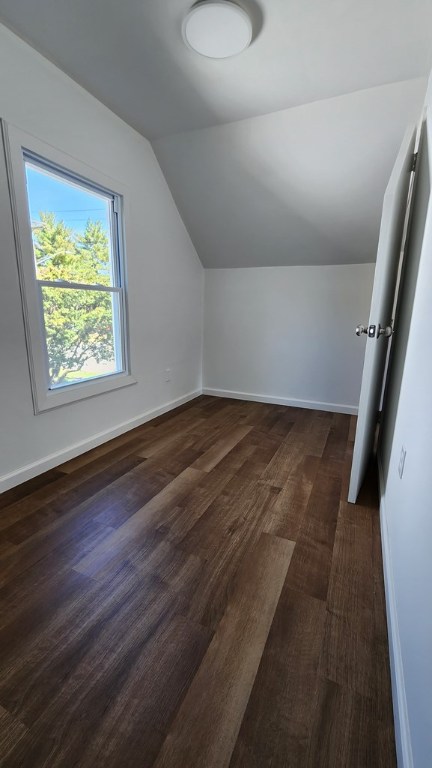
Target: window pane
{"points": [[82, 334], [70, 228]]}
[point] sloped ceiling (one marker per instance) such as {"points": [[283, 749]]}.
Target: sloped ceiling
{"points": [[299, 186], [323, 96], [130, 55]]}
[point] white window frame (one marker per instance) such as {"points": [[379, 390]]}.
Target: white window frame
{"points": [[19, 146]]}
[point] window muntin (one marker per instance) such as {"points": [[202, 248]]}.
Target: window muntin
{"points": [[76, 252]]}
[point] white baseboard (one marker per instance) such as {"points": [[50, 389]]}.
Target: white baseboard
{"points": [[400, 709], [293, 402], [54, 459]]}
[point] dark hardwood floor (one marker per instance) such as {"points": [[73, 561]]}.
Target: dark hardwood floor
{"points": [[197, 594]]}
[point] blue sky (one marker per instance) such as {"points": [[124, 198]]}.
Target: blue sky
{"points": [[71, 204]]}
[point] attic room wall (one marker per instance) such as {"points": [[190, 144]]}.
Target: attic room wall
{"points": [[286, 334], [165, 275], [270, 202]]}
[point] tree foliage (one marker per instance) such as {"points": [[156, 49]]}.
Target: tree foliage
{"points": [[78, 323]]}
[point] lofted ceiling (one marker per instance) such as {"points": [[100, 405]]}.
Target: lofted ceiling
{"points": [[131, 56], [278, 156], [299, 186]]}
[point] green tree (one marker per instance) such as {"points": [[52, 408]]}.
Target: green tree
{"points": [[78, 323], [93, 250]]}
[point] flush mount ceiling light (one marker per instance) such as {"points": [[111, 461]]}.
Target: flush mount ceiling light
{"points": [[217, 29]]}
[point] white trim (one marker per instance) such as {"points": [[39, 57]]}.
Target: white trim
{"points": [[400, 707], [54, 459], [22, 474], [289, 401], [18, 144]]}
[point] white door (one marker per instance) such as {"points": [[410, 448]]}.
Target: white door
{"points": [[387, 271]]}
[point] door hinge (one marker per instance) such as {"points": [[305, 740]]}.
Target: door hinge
{"points": [[414, 162]]}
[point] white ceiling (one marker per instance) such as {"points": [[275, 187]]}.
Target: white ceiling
{"points": [[130, 55], [278, 156], [299, 186]]}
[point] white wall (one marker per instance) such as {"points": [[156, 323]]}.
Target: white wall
{"points": [[287, 333], [165, 275], [300, 186], [407, 502]]}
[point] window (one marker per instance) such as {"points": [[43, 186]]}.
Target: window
{"points": [[75, 249], [69, 233]]}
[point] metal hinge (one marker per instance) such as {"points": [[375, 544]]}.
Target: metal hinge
{"points": [[414, 162]]}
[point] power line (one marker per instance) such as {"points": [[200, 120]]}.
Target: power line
{"points": [[74, 210]]}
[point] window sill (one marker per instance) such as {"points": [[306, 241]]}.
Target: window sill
{"points": [[81, 391]]}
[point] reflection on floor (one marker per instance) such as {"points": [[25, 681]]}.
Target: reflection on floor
{"points": [[197, 594]]}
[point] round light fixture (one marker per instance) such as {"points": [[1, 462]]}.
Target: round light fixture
{"points": [[217, 29]]}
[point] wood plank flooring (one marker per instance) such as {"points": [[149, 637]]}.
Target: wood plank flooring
{"points": [[197, 593]]}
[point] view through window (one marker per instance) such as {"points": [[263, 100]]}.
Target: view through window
{"points": [[75, 233]]}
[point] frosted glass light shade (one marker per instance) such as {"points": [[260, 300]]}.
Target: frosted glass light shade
{"points": [[217, 29]]}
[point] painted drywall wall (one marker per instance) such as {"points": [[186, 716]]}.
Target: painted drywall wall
{"points": [[287, 333], [300, 186], [407, 501], [164, 273]]}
